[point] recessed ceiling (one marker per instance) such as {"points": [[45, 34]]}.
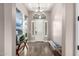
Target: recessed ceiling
{"points": [[43, 6]]}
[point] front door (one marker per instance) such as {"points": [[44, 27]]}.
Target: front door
{"points": [[39, 30]]}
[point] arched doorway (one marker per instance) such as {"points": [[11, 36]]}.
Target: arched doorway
{"points": [[39, 26]]}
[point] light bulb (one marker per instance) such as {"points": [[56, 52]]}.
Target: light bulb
{"points": [[39, 17], [41, 10], [36, 10]]}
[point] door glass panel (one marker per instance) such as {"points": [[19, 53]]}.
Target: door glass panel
{"points": [[46, 28], [32, 28]]}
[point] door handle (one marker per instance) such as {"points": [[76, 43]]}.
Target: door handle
{"points": [[36, 32]]}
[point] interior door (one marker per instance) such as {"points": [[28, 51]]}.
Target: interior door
{"points": [[39, 30]]}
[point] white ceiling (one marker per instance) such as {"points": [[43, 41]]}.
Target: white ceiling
{"points": [[43, 6]]}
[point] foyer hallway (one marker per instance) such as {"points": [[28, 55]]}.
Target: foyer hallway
{"points": [[46, 29], [38, 23]]}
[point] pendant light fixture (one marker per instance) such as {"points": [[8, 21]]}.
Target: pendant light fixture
{"points": [[39, 14], [38, 8]]}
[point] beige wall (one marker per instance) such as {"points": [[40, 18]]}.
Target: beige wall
{"points": [[77, 29], [69, 29], [9, 29]]}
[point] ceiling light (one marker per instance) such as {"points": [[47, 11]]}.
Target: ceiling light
{"points": [[40, 17], [36, 10]]}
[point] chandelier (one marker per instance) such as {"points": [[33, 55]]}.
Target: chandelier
{"points": [[39, 8], [39, 13]]}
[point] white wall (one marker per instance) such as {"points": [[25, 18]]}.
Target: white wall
{"points": [[56, 23]]}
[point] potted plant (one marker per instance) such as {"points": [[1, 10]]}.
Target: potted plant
{"points": [[22, 37]]}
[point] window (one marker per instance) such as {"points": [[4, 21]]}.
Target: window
{"points": [[33, 28], [46, 28], [19, 22]]}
